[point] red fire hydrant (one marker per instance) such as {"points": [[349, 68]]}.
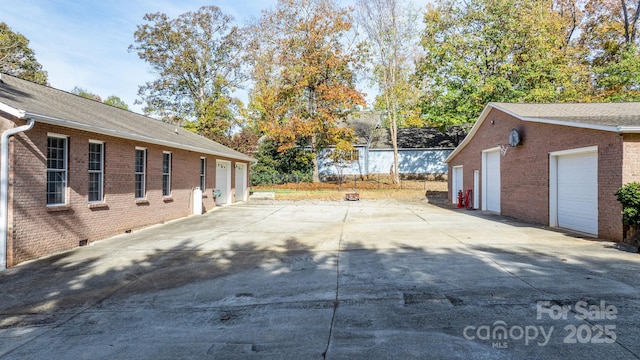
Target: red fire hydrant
{"points": [[460, 199]]}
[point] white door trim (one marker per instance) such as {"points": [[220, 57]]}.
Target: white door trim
{"points": [[476, 189], [227, 188], [241, 193], [454, 181], [484, 175], [553, 178]]}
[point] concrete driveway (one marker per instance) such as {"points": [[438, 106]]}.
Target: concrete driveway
{"points": [[340, 280]]}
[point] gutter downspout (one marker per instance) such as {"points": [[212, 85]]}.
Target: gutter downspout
{"points": [[4, 187]]}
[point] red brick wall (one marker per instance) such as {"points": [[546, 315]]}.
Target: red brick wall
{"points": [[524, 170], [36, 230], [631, 164]]}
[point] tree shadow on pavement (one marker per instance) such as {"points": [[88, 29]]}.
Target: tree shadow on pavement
{"points": [[293, 299]]}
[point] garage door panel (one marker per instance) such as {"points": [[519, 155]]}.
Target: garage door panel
{"points": [[578, 192]]}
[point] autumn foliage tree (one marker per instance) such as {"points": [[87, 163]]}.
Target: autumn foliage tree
{"points": [[478, 51], [17, 58], [111, 100], [609, 32], [86, 94], [116, 102], [303, 73], [390, 26], [198, 65]]}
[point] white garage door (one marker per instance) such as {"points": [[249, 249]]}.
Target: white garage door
{"points": [[456, 183], [578, 192], [223, 181], [241, 182], [491, 183]]}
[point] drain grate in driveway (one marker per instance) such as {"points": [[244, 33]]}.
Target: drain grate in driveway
{"points": [[454, 300], [232, 348], [417, 298]]}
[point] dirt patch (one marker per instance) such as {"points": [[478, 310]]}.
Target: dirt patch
{"points": [[409, 190]]}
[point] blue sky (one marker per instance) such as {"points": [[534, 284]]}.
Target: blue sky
{"points": [[84, 42]]}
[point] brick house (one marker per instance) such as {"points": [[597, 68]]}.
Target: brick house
{"points": [[75, 170], [553, 164]]}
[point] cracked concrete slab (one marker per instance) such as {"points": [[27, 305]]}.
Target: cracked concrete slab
{"points": [[332, 280]]}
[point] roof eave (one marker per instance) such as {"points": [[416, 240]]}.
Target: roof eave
{"points": [[629, 129], [555, 122], [571, 124], [20, 114], [485, 113], [79, 126]]}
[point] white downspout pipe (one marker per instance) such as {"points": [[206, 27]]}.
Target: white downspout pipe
{"points": [[4, 187]]}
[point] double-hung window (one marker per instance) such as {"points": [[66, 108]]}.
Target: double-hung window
{"points": [[166, 174], [203, 173], [96, 171], [140, 172], [353, 155], [57, 166]]}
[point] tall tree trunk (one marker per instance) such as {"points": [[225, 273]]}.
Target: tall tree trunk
{"points": [[627, 35], [393, 127], [316, 168], [392, 103], [630, 23], [393, 131], [387, 23]]}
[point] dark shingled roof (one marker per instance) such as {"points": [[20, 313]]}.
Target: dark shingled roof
{"points": [[48, 105], [605, 114], [367, 124], [616, 117]]}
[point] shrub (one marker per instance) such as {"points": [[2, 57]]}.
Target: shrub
{"points": [[275, 167], [629, 196]]}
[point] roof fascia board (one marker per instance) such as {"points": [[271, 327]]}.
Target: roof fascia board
{"points": [[128, 136], [556, 122], [414, 149], [486, 111], [483, 115], [570, 123], [629, 129], [20, 114]]}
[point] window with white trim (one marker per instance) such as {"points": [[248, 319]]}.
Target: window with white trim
{"points": [[353, 155], [57, 166], [140, 172], [203, 173], [166, 174], [96, 171]]}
